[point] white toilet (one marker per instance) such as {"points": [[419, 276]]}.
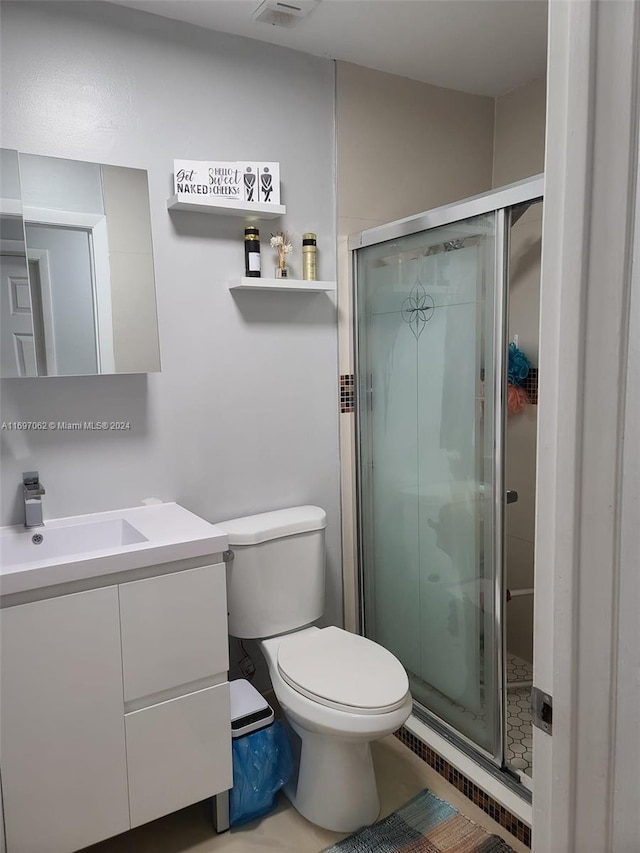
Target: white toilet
{"points": [[339, 691]]}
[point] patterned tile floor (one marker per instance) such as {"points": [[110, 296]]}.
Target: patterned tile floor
{"points": [[519, 733], [519, 725], [518, 669]]}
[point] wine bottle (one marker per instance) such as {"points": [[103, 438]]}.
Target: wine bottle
{"points": [[252, 252]]}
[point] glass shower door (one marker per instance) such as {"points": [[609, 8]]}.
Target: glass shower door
{"points": [[427, 365]]}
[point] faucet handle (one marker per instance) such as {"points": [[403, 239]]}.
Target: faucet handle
{"points": [[31, 482]]}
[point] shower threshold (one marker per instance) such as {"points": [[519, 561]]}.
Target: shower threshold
{"points": [[517, 774], [473, 768]]}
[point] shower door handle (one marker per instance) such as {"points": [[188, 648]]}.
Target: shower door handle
{"points": [[512, 497]]}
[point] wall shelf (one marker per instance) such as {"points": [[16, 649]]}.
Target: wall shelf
{"points": [[296, 285], [248, 210]]}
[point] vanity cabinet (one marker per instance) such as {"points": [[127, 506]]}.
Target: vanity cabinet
{"points": [[62, 733], [114, 707]]}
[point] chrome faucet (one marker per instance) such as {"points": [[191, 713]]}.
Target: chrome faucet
{"points": [[32, 491]]}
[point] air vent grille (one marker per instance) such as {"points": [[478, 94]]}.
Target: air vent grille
{"points": [[283, 13]]}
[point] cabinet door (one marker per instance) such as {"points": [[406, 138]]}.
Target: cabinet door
{"points": [[179, 752], [64, 778], [174, 630]]}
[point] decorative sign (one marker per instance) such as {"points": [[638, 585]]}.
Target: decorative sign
{"points": [[228, 179]]}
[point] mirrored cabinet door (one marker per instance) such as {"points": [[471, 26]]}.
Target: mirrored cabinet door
{"points": [[78, 288], [17, 339]]}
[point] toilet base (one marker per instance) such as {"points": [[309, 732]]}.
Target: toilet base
{"points": [[335, 786]]}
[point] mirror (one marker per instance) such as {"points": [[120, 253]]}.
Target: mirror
{"points": [[83, 299], [16, 332]]}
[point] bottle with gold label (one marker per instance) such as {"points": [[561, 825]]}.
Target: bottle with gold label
{"points": [[309, 257], [252, 252]]}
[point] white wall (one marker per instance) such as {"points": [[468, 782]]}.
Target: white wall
{"points": [[243, 417], [518, 149]]}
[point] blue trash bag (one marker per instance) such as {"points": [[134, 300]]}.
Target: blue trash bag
{"points": [[262, 764]]}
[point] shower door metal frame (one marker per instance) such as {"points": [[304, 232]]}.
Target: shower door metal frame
{"points": [[500, 202]]}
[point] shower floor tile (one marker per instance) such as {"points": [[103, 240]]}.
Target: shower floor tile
{"points": [[519, 729], [518, 669], [519, 734]]}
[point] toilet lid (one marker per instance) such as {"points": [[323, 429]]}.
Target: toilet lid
{"points": [[343, 670]]}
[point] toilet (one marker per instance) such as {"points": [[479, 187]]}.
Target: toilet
{"points": [[338, 691]]}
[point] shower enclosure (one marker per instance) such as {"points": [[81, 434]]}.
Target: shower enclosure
{"points": [[430, 314]]}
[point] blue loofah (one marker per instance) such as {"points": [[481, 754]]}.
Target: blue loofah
{"points": [[519, 365]]}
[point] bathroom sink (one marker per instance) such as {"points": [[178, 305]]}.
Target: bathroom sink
{"points": [[86, 546], [22, 545]]}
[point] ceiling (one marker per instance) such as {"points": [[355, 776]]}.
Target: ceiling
{"points": [[486, 47]]}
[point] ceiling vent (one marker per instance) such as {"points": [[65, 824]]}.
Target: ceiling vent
{"points": [[283, 13]]}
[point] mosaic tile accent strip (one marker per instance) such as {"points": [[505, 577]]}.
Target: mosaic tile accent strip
{"points": [[347, 393], [530, 385], [470, 790]]}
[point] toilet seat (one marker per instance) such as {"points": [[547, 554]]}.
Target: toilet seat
{"points": [[343, 670]]}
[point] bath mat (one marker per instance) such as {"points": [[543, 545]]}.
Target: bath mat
{"points": [[425, 825]]}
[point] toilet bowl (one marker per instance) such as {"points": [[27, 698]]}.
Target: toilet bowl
{"points": [[338, 691], [335, 785]]}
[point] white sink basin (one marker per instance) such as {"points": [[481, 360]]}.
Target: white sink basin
{"points": [[86, 546], [21, 545]]}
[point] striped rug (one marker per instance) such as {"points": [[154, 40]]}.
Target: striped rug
{"points": [[425, 825]]}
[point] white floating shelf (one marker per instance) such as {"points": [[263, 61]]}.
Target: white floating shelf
{"points": [[247, 209], [296, 285]]}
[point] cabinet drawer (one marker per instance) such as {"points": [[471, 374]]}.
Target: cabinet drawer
{"points": [[174, 630], [178, 752]]}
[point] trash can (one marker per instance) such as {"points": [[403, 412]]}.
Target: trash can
{"points": [[261, 754]]}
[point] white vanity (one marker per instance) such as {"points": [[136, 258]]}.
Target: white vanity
{"points": [[114, 700]]}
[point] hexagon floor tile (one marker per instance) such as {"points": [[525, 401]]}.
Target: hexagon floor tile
{"points": [[518, 669], [519, 729]]}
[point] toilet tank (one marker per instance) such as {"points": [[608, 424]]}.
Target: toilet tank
{"points": [[275, 582]]}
